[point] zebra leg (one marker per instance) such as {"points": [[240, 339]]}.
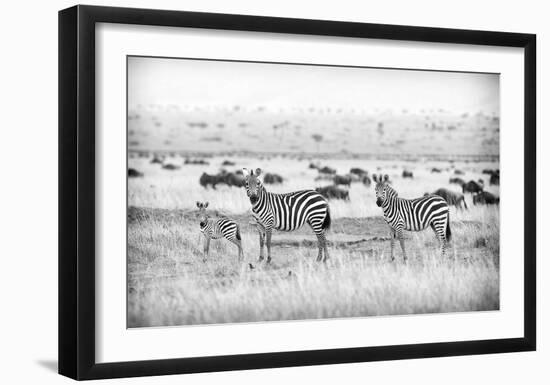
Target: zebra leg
{"points": [[444, 244], [321, 240], [206, 247], [241, 252], [325, 247], [268, 244], [237, 242], [399, 234], [262, 238], [392, 244], [322, 244], [440, 234]]}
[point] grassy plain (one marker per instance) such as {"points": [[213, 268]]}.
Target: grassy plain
{"points": [[170, 284]]}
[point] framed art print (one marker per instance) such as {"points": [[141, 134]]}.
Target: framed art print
{"points": [[242, 192]]}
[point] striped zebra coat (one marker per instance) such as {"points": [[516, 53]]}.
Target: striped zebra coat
{"points": [[412, 214], [216, 228], [287, 212]]}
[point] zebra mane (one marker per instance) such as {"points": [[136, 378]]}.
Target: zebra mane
{"points": [[391, 191]]}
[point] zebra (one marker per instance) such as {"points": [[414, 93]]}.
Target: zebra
{"points": [[412, 214], [286, 212], [216, 228]]}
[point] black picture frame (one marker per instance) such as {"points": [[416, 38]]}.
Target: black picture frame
{"points": [[77, 191]]}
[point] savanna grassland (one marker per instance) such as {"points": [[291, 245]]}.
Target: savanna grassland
{"points": [[205, 116], [170, 282]]}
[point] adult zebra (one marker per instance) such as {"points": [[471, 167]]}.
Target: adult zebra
{"points": [[412, 214], [286, 212]]}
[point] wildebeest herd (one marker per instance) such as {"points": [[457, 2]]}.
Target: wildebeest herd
{"points": [[233, 178], [290, 210], [333, 191]]}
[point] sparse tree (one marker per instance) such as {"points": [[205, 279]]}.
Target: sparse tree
{"points": [[318, 138]]}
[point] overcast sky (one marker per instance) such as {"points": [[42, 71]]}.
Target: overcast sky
{"points": [[200, 82]]}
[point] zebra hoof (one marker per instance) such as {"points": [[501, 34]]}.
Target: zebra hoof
{"points": [[268, 260], [260, 259]]}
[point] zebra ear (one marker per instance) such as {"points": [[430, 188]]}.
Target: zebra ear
{"points": [[258, 171], [375, 178], [386, 178], [205, 205], [245, 171], [198, 204]]}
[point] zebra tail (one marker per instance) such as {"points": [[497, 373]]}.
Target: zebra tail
{"points": [[448, 230], [238, 235], [464, 201], [327, 221]]}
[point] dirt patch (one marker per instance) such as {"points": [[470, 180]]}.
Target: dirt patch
{"points": [[343, 231], [368, 227]]}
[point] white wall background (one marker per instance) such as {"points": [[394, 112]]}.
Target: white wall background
{"points": [[28, 190]]}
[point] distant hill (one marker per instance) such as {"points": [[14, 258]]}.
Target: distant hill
{"points": [[309, 130]]}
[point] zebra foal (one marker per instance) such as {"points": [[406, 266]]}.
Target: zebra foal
{"points": [[286, 212], [216, 228], [412, 214]]}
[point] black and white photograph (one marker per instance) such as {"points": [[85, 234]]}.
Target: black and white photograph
{"points": [[291, 191]]}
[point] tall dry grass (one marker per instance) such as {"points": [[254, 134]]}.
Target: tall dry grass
{"points": [[169, 284]]}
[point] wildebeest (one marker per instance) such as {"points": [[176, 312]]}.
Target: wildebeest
{"points": [[436, 170], [485, 197], [342, 179], [170, 166], [232, 179], [196, 161], [157, 159], [271, 178], [327, 170], [133, 173], [314, 166], [459, 172], [488, 171], [407, 174], [458, 181], [324, 177], [358, 171], [451, 197], [333, 192], [355, 177], [471, 187], [366, 180], [228, 163], [205, 180], [495, 179]]}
